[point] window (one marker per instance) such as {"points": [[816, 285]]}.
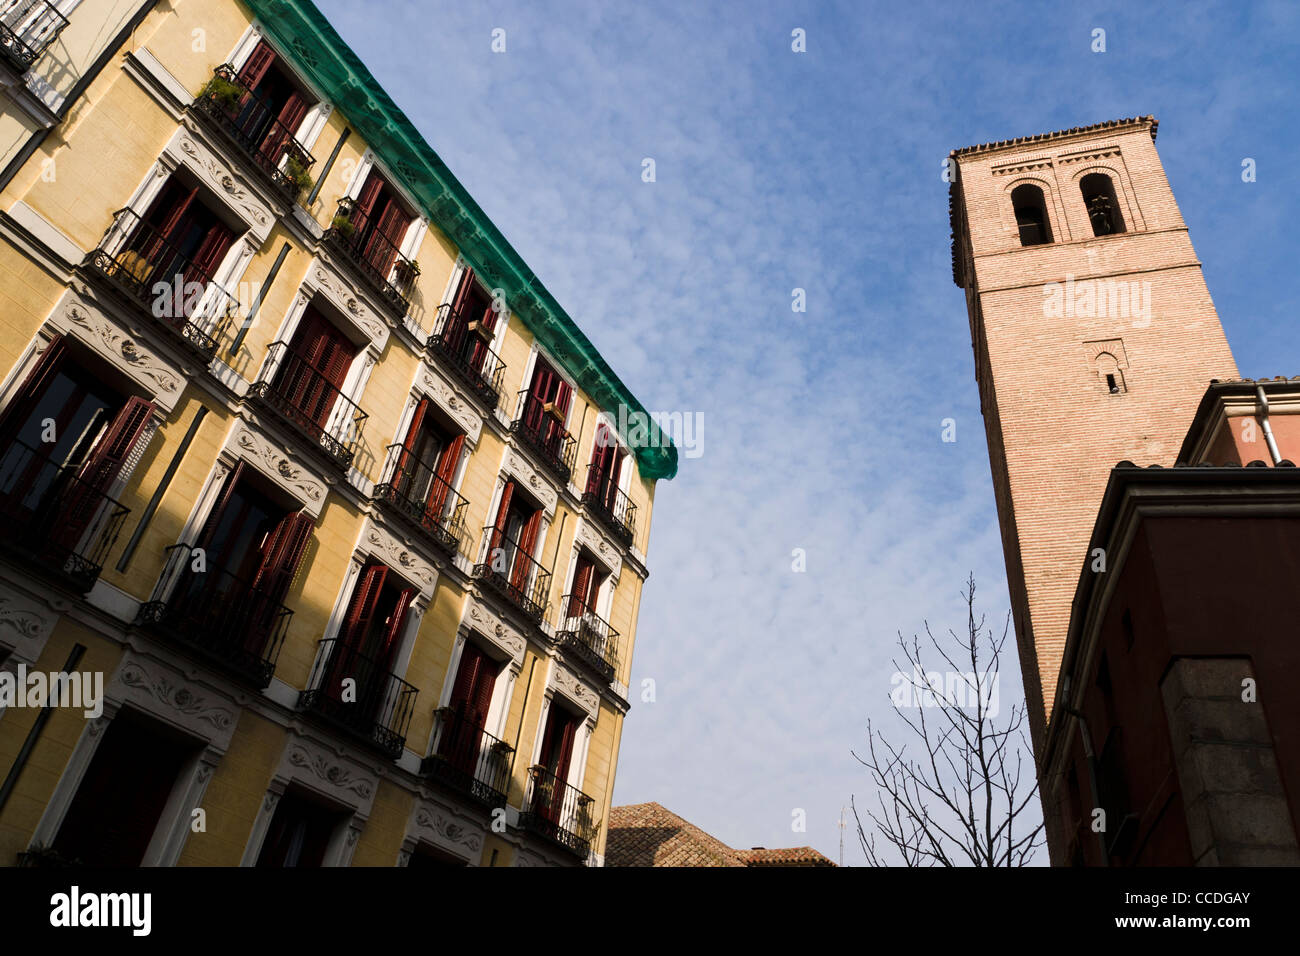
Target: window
{"points": [[428, 461], [300, 832], [275, 105], [474, 321], [471, 699], [588, 578], [606, 469], [1031, 215], [426, 856], [179, 241], [1102, 203], [515, 532], [65, 439], [557, 742], [367, 642], [379, 221], [311, 375], [111, 822]]}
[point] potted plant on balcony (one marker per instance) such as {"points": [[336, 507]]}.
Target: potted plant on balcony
{"points": [[222, 93], [343, 225], [298, 175], [406, 272]]}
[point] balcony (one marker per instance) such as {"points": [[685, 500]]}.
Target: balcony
{"points": [[136, 263], [588, 637], [467, 759], [504, 568], [376, 707], [464, 348], [27, 28], [252, 126], [304, 399], [413, 492], [558, 812], [55, 519], [609, 505], [540, 426], [372, 256], [217, 617]]}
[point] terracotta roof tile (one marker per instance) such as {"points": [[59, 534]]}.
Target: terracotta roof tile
{"points": [[647, 834]]}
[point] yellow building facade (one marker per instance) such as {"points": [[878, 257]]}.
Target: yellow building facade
{"points": [[299, 460]]}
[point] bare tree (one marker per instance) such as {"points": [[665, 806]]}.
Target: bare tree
{"points": [[968, 796]]}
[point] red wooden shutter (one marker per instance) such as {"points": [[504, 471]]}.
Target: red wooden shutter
{"points": [[446, 474], [365, 204], [406, 458], [292, 113], [566, 750], [223, 502], [481, 700], [203, 268], [105, 462], [362, 610], [527, 542], [503, 514], [256, 66], [33, 387], [281, 555], [461, 300], [394, 631], [466, 676], [385, 238], [581, 584], [175, 214]]}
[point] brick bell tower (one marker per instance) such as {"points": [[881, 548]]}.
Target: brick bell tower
{"points": [[1094, 337]]}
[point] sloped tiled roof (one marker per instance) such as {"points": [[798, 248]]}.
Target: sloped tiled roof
{"points": [[646, 834]]}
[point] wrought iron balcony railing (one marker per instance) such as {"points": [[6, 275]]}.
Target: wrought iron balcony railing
{"points": [[358, 694], [253, 126], [54, 518], [27, 28], [468, 759], [138, 263], [415, 492], [587, 636], [559, 812], [609, 504], [540, 426], [516, 576], [464, 346], [217, 616], [304, 398], [373, 256]]}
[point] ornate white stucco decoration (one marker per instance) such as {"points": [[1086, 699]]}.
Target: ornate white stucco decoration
{"points": [[340, 778], [484, 622], [274, 462], [25, 624], [441, 828], [163, 381], [167, 694], [575, 689], [458, 408], [591, 538], [350, 303], [186, 150], [540, 488], [380, 543]]}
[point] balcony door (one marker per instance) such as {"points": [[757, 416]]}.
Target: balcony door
{"points": [[380, 220], [274, 107], [473, 322], [555, 758], [65, 438], [546, 409], [311, 376], [606, 469], [514, 534], [427, 463], [252, 546], [300, 832], [367, 643], [471, 698], [179, 241], [588, 578]]}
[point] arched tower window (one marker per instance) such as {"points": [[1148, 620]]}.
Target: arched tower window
{"points": [[1031, 215], [1102, 204]]}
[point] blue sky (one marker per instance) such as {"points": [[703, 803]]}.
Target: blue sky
{"points": [[821, 171]]}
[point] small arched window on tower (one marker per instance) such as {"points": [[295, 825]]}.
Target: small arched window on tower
{"points": [[1111, 374], [1102, 204], [1031, 215]]}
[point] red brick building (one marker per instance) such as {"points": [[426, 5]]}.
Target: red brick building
{"points": [[1154, 606]]}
